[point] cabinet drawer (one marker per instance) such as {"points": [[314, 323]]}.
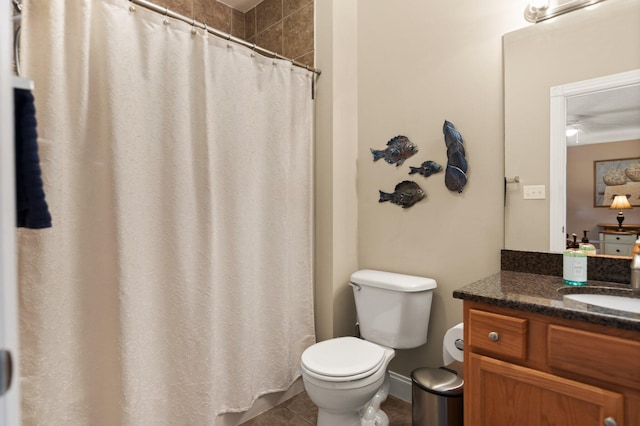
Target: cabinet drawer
{"points": [[499, 334], [595, 355], [619, 238], [618, 249]]}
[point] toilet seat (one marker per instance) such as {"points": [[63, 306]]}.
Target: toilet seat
{"points": [[343, 359]]}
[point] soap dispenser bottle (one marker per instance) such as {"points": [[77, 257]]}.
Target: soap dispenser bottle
{"points": [[586, 246], [574, 267]]}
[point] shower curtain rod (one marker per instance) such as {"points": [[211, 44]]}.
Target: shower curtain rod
{"points": [[166, 12]]}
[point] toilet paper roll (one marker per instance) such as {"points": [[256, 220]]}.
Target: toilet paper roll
{"points": [[450, 352]]}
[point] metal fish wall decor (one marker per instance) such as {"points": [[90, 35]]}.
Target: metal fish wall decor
{"points": [[456, 174], [406, 194], [426, 169], [398, 149]]}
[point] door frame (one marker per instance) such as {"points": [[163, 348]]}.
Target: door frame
{"points": [[10, 401]]}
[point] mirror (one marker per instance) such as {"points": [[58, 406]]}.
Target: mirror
{"points": [[604, 113], [576, 47]]}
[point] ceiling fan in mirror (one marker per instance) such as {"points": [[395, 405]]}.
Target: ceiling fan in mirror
{"points": [[609, 115], [585, 130]]}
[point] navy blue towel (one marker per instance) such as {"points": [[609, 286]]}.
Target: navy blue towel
{"points": [[32, 210]]}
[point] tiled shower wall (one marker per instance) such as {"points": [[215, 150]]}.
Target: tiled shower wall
{"points": [[281, 26]]}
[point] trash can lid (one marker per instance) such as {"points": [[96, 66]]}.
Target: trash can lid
{"points": [[438, 380]]}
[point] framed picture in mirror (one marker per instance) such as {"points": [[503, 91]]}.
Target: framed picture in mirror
{"points": [[616, 177]]}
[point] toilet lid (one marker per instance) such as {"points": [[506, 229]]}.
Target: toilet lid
{"points": [[343, 357]]}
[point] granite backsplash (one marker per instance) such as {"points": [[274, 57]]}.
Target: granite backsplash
{"points": [[599, 268]]}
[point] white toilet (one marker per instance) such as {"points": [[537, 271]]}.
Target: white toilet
{"points": [[346, 377]]}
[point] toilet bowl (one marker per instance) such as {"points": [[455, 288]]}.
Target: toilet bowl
{"points": [[346, 377], [342, 375]]}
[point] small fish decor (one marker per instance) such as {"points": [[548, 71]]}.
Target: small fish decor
{"points": [[426, 169], [406, 194], [398, 149], [455, 177]]}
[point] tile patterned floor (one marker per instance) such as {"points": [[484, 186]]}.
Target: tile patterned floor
{"points": [[300, 411]]}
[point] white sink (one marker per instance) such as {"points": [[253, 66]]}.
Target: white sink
{"points": [[618, 303]]}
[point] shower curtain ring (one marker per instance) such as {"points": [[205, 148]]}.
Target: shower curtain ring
{"points": [[166, 13], [193, 26]]}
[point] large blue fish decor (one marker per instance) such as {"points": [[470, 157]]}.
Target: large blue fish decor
{"points": [[426, 169], [455, 177], [406, 194], [398, 149]]}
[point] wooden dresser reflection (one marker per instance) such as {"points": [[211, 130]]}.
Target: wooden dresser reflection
{"points": [[617, 242]]}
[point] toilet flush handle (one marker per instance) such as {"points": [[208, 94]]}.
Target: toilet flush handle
{"points": [[354, 285]]}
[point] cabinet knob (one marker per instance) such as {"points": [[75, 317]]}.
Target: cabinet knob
{"points": [[493, 336], [609, 421]]}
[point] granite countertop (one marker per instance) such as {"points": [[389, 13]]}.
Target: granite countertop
{"points": [[540, 294]]}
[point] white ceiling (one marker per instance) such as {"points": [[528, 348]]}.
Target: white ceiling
{"points": [[241, 5], [605, 116]]}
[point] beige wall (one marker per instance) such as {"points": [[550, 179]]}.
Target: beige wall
{"points": [[414, 70], [336, 155], [581, 214], [578, 46], [440, 61]]}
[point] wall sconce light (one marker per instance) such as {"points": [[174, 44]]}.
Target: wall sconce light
{"points": [[620, 202], [536, 9], [540, 10], [538, 5]]}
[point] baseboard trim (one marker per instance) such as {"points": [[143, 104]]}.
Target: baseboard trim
{"points": [[400, 386]]}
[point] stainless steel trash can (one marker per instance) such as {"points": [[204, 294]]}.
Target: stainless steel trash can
{"points": [[436, 397]]}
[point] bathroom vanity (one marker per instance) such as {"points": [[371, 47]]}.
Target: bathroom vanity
{"points": [[536, 357]]}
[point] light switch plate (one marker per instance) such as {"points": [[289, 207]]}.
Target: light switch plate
{"points": [[533, 192]]}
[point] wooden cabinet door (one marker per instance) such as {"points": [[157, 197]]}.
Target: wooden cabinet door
{"points": [[504, 394]]}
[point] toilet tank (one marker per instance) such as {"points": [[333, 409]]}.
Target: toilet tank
{"points": [[393, 309]]}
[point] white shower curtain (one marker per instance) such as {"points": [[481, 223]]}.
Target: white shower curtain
{"points": [[176, 282]]}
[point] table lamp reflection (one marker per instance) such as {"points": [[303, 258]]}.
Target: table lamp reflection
{"points": [[620, 202]]}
